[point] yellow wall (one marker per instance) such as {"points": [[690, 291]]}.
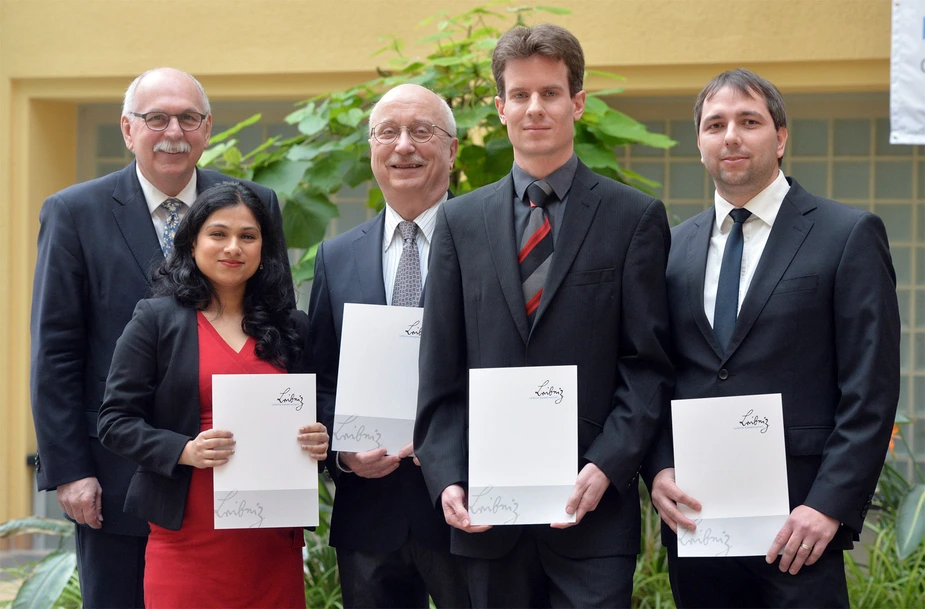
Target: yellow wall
{"points": [[55, 54]]}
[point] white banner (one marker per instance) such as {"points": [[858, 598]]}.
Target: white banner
{"points": [[907, 73]]}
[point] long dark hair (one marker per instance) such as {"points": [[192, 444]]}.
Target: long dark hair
{"points": [[267, 297]]}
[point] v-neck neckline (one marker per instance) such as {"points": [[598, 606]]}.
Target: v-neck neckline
{"points": [[221, 341]]}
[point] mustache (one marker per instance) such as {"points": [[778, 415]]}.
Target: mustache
{"points": [[172, 147], [397, 160]]}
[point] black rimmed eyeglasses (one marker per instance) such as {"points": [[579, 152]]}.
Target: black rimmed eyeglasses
{"points": [[158, 121], [420, 132]]}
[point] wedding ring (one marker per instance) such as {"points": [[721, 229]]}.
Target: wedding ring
{"points": [[805, 547]]}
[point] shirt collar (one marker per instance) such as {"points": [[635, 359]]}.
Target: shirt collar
{"points": [[426, 222], [561, 179], [765, 205], [154, 197]]}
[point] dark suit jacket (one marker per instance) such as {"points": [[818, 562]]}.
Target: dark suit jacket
{"points": [[820, 325], [151, 406], [96, 249], [603, 309], [370, 515]]}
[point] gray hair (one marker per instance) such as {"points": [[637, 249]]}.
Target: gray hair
{"points": [[128, 103], [448, 118]]}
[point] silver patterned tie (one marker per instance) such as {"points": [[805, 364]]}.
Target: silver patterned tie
{"points": [[407, 289], [172, 206]]}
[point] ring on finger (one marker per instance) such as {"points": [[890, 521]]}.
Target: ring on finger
{"points": [[806, 547]]}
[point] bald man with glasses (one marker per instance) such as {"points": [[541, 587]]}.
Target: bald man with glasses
{"points": [[393, 546]]}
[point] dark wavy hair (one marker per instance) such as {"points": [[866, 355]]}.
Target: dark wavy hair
{"points": [[267, 297], [545, 39]]}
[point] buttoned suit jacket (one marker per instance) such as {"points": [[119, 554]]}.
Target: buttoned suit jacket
{"points": [[97, 248], [603, 309], [819, 325], [151, 406], [370, 515]]}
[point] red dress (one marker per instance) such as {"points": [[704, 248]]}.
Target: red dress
{"points": [[198, 566]]}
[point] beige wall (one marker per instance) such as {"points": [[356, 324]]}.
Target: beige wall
{"points": [[55, 54]]}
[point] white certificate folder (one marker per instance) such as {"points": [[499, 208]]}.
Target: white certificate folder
{"points": [[729, 455], [377, 380], [523, 444], [269, 481]]}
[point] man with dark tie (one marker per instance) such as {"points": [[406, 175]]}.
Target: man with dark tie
{"points": [[775, 290], [552, 265], [97, 245], [392, 544]]}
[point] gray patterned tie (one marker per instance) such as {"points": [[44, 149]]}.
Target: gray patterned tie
{"points": [[536, 246], [172, 206], [407, 289]]}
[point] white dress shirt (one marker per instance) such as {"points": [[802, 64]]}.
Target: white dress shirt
{"points": [[764, 207], [392, 244], [154, 198]]}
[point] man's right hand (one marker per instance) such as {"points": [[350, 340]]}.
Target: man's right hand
{"points": [[455, 511], [82, 500], [373, 463], [666, 495]]}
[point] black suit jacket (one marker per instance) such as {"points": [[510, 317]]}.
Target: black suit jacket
{"points": [[820, 325], [370, 515], [96, 249], [603, 309], [151, 406]]}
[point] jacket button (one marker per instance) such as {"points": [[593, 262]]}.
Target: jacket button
{"points": [[723, 374]]}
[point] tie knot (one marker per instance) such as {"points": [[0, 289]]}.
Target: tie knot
{"points": [[739, 215], [409, 230], [172, 205], [539, 193]]}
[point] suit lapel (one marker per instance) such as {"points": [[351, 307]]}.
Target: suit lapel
{"points": [[576, 221], [790, 229], [367, 258], [698, 244], [134, 221], [498, 209]]}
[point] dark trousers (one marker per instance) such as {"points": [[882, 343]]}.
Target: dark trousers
{"points": [[111, 569], [533, 575], [748, 581], [402, 578]]}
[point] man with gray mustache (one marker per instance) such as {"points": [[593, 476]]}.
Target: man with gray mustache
{"points": [[97, 245]]}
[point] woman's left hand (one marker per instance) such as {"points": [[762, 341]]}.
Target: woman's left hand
{"points": [[314, 438]]}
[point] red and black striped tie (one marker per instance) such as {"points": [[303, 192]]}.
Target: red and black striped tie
{"points": [[536, 247]]}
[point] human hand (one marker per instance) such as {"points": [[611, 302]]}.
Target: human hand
{"points": [[211, 448], [455, 511], [314, 439], [82, 500], [803, 538], [589, 488], [666, 495], [372, 463]]}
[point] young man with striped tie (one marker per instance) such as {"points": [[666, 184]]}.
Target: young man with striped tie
{"points": [[552, 265]]}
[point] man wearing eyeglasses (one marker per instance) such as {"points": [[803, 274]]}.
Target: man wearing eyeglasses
{"points": [[392, 545], [97, 245]]}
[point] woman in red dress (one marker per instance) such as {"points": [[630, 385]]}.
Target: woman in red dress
{"points": [[224, 309]]}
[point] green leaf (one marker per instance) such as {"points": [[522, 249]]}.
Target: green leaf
{"points": [[220, 137], [555, 10], [312, 124], [375, 199], [358, 172], [469, 118], [351, 118], [209, 156], [610, 75], [283, 176], [910, 521], [595, 105], [596, 157], [304, 270], [602, 92], [33, 525], [306, 217], [46, 582]]}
